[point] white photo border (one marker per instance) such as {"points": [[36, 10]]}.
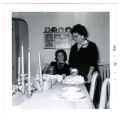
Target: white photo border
{"points": [[16, 112]]}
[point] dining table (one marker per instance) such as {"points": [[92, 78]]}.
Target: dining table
{"points": [[52, 99]]}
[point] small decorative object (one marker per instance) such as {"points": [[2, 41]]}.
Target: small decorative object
{"points": [[53, 29], [60, 29], [85, 44], [74, 71], [47, 29], [67, 29]]}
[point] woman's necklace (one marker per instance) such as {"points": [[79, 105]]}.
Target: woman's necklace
{"points": [[60, 65]]}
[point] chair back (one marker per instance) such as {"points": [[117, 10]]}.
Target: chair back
{"points": [[93, 85], [104, 70], [103, 96]]}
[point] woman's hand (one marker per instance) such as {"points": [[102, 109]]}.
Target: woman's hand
{"points": [[64, 76], [89, 77], [46, 68]]}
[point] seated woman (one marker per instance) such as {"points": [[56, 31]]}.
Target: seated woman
{"points": [[59, 66]]}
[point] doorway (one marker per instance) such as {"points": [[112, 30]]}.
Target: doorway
{"points": [[19, 37]]}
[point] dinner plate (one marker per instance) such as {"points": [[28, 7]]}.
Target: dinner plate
{"points": [[72, 89], [73, 95]]}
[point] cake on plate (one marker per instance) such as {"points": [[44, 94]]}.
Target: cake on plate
{"points": [[77, 79]]}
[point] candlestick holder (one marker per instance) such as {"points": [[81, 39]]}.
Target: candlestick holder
{"points": [[28, 88], [21, 82], [38, 83]]}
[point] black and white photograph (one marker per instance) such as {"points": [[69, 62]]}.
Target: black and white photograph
{"points": [[59, 60], [74, 74]]}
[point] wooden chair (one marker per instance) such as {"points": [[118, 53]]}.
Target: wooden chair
{"points": [[93, 85], [103, 97]]}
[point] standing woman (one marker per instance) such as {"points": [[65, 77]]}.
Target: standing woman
{"points": [[83, 54]]}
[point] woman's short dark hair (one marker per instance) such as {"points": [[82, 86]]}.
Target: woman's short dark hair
{"points": [[80, 30], [60, 51]]}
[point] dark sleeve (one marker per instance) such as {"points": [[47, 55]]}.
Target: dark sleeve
{"points": [[71, 56], [93, 55], [47, 70], [53, 64]]}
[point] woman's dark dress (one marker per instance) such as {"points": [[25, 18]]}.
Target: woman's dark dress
{"points": [[84, 58], [60, 68]]}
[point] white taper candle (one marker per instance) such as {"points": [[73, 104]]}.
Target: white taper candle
{"points": [[29, 68], [40, 71], [18, 70], [22, 56], [22, 60]]}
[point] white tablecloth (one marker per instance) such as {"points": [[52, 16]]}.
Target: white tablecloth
{"points": [[51, 99]]}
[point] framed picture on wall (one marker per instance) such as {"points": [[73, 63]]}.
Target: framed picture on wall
{"points": [[59, 40], [49, 40], [62, 41]]}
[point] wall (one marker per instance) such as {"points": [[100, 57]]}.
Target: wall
{"points": [[97, 23]]}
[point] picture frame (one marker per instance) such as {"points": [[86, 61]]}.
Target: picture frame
{"points": [[48, 40], [62, 40], [59, 40]]}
